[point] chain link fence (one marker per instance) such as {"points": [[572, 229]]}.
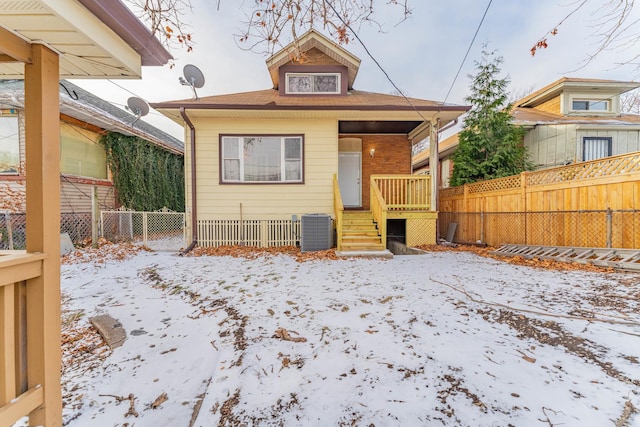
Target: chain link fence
{"points": [[594, 229], [161, 230], [13, 229]]}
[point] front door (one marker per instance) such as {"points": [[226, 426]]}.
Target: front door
{"points": [[349, 173]]}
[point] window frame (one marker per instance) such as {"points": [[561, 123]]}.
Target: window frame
{"points": [[283, 159], [312, 75], [11, 115], [590, 101], [608, 139]]}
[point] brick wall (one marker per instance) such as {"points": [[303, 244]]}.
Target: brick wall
{"points": [[392, 157]]}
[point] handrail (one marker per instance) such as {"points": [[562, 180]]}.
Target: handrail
{"points": [[404, 192], [379, 210], [17, 268], [338, 210]]}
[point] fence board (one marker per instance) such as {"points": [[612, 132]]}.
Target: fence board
{"points": [[606, 184]]}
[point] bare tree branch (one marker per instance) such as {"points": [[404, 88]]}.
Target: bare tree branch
{"points": [[613, 27], [270, 25]]}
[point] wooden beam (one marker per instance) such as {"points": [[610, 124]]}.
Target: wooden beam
{"points": [[14, 47], [23, 404], [42, 142]]}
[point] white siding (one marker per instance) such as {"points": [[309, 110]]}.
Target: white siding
{"points": [[551, 145]]}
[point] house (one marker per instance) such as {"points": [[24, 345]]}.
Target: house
{"points": [[568, 121], [42, 41], [575, 120], [446, 148], [311, 144], [84, 118]]}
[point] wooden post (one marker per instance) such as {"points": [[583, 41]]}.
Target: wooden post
{"points": [[95, 216], [42, 148], [434, 163]]}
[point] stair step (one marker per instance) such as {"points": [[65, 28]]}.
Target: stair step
{"points": [[362, 247]]}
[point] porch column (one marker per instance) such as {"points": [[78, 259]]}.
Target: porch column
{"points": [[42, 134], [434, 162]]}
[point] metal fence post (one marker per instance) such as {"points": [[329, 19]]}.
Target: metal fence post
{"points": [[609, 227], [7, 220], [145, 230], [94, 216]]}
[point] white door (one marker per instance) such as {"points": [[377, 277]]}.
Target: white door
{"points": [[349, 165]]}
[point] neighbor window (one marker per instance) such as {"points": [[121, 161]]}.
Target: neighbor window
{"points": [[9, 144], [261, 159], [80, 153], [590, 105], [310, 83], [596, 147]]}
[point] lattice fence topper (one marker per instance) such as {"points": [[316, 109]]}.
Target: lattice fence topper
{"points": [[608, 166]]}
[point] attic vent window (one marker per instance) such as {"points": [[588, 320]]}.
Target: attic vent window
{"points": [[312, 83], [590, 105]]}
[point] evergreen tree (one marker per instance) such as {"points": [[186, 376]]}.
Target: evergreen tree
{"points": [[489, 145]]}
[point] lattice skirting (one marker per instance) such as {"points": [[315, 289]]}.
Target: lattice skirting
{"points": [[421, 231], [257, 233]]}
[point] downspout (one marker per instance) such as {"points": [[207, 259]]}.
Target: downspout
{"points": [[194, 211]]}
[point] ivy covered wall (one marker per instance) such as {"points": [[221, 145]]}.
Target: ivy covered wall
{"points": [[145, 176]]}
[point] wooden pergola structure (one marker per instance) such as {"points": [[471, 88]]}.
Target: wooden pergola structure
{"points": [[42, 41]]}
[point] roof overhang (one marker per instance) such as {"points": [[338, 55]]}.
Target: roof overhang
{"points": [[406, 119], [94, 38], [583, 85]]}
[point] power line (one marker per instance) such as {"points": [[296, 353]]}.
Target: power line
{"points": [[374, 59], [467, 54]]}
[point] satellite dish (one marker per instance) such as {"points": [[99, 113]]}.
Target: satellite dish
{"points": [[192, 77], [138, 107]]}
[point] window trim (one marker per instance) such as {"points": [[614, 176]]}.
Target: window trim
{"points": [[589, 101], [283, 136], [609, 140], [18, 170], [335, 74]]}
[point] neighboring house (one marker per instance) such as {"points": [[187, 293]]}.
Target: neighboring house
{"points": [[264, 159], [575, 120], [84, 118], [569, 121]]}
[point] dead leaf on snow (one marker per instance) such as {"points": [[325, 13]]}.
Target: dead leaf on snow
{"points": [[159, 401], [284, 335]]}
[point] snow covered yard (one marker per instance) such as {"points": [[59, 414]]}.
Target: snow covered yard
{"points": [[446, 338]]}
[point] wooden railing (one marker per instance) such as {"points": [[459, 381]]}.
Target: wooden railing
{"points": [[18, 349], [379, 210], [404, 192], [338, 209]]}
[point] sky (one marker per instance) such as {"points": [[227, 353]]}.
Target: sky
{"points": [[421, 55], [267, 340]]}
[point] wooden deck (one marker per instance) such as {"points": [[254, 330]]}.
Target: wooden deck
{"points": [[406, 197]]}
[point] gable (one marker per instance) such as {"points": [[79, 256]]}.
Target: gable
{"points": [[313, 49]]}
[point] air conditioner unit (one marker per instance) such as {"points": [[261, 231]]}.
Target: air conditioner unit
{"points": [[316, 231]]}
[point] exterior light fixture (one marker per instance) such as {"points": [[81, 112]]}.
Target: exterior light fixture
{"points": [[372, 151]]}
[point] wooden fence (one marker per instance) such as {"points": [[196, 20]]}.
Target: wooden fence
{"points": [[606, 186]]}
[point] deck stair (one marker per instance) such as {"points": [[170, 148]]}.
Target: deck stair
{"points": [[360, 232], [622, 259]]}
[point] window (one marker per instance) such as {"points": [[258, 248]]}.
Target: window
{"points": [[9, 144], [310, 83], [80, 153], [596, 147], [590, 105], [261, 159]]}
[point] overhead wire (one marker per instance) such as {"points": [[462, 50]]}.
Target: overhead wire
{"points": [[468, 50]]}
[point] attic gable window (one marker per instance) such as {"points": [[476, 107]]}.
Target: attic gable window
{"points": [[312, 83], [590, 105], [265, 159]]}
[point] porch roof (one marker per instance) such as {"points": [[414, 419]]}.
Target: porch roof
{"points": [[94, 38]]}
